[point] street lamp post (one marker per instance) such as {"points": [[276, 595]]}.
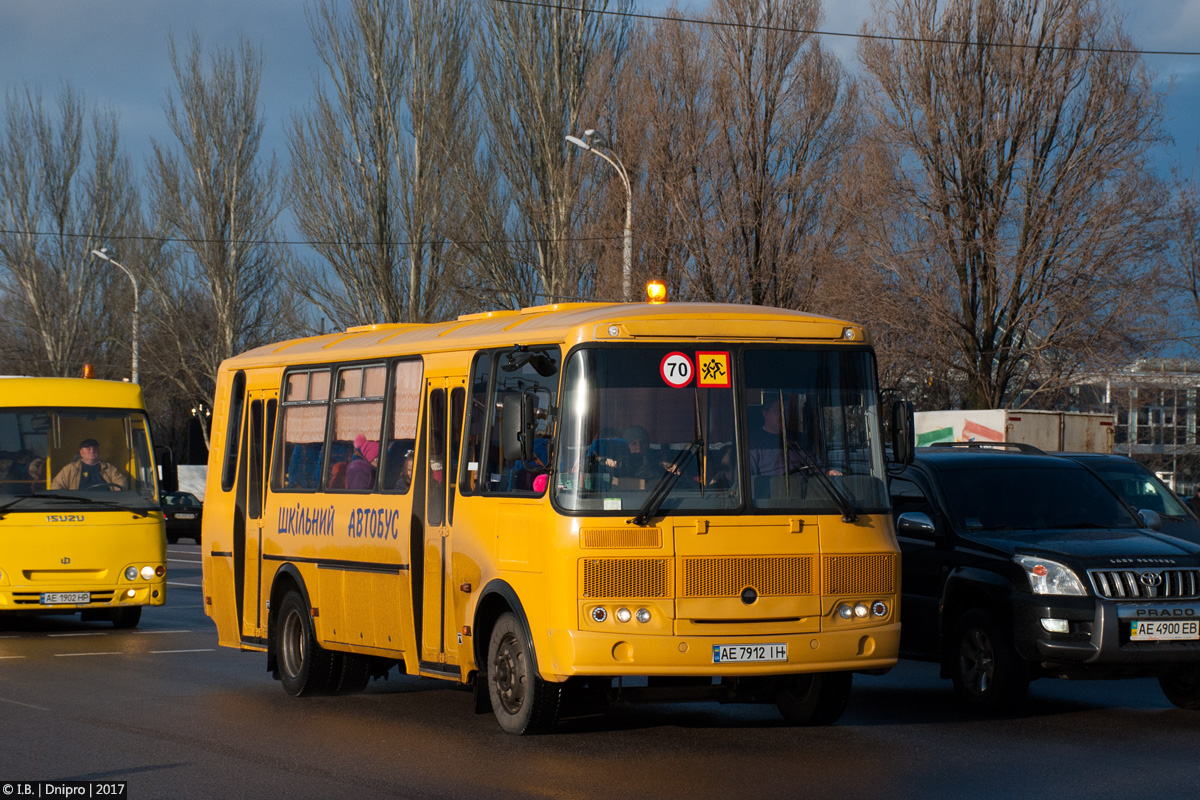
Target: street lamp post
{"points": [[105, 254], [591, 140]]}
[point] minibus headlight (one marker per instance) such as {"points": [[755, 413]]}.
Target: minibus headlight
{"points": [[147, 572], [643, 615], [861, 611], [599, 614], [845, 611], [131, 573], [160, 570], [624, 615], [879, 608]]}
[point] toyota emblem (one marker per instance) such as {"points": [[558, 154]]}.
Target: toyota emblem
{"points": [[1150, 579]]}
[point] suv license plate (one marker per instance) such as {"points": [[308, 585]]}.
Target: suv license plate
{"points": [[749, 652], [65, 598], [1144, 630]]}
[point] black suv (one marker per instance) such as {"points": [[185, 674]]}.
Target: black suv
{"points": [[1019, 565]]}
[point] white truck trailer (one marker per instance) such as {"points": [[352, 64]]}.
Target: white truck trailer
{"points": [[1068, 431]]}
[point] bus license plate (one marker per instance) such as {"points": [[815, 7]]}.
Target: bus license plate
{"points": [[65, 598], [749, 652], [1145, 630]]}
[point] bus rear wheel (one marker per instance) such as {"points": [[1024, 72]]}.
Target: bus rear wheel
{"points": [[304, 666], [521, 700], [814, 699]]}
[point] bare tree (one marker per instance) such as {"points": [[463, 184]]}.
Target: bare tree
{"points": [[374, 160], [1009, 211], [746, 124], [539, 67], [213, 194], [66, 189]]}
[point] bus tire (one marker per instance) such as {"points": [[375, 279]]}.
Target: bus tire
{"points": [[815, 698], [522, 702], [304, 666], [350, 673], [126, 618]]}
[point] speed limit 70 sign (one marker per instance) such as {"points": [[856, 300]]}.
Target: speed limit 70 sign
{"points": [[676, 370]]}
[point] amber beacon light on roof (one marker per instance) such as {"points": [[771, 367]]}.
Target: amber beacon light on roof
{"points": [[656, 292]]}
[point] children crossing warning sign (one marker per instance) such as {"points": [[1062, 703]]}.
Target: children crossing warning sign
{"points": [[712, 370]]}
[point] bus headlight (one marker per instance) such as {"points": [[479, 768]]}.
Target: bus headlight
{"points": [[861, 611], [643, 615], [845, 611], [624, 615], [131, 573], [599, 614], [147, 572], [879, 608]]}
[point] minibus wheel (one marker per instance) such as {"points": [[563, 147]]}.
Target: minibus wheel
{"points": [[304, 666], [521, 700], [127, 617]]}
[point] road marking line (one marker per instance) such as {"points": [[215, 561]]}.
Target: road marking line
{"points": [[67, 655], [188, 585], [88, 633], [26, 705], [183, 561], [162, 652], [181, 631], [9, 657]]}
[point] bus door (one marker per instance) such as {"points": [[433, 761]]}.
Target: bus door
{"points": [[256, 458], [440, 453]]}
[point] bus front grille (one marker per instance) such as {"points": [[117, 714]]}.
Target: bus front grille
{"points": [[769, 576], [863, 574], [627, 578]]}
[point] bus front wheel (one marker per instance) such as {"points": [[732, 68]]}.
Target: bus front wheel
{"points": [[521, 700], [304, 666], [127, 617], [814, 699]]}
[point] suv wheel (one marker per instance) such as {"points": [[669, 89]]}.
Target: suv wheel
{"points": [[1182, 687], [988, 674]]}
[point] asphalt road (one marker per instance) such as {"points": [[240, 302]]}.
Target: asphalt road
{"points": [[164, 709]]}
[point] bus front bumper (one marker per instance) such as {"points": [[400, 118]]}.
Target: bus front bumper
{"points": [[574, 652]]}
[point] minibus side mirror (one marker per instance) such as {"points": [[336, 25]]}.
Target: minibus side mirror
{"points": [[903, 432]]}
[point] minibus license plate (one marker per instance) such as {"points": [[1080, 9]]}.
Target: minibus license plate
{"points": [[1146, 630], [749, 652], [60, 598]]}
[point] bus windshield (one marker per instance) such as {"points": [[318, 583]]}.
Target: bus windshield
{"points": [[784, 429], [58, 457]]}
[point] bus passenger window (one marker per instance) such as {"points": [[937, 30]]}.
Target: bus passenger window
{"points": [[357, 425], [305, 409], [532, 372]]}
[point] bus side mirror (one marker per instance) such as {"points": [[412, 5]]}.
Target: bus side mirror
{"points": [[517, 424], [903, 432]]}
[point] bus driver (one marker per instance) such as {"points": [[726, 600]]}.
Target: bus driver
{"points": [[89, 472]]}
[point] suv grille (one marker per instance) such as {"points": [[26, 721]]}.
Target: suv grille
{"points": [[1146, 584]]}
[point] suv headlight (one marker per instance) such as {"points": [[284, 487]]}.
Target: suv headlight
{"points": [[1050, 577]]}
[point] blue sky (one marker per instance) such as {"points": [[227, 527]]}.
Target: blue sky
{"points": [[115, 51]]}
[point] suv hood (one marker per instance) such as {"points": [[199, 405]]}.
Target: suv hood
{"points": [[1089, 544]]}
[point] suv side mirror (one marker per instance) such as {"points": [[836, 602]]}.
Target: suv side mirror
{"points": [[903, 432], [1151, 519], [916, 523], [517, 423]]}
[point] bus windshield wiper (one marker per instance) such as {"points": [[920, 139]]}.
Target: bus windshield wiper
{"points": [[4, 508], [137, 512], [839, 499], [666, 483]]}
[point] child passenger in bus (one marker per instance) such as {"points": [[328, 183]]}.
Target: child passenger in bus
{"points": [[360, 472]]}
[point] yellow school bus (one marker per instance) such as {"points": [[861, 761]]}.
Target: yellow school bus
{"points": [[80, 526], [683, 498]]}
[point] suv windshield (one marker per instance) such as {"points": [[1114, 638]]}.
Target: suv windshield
{"points": [[787, 429], [52, 458], [1029, 498], [1137, 487]]}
